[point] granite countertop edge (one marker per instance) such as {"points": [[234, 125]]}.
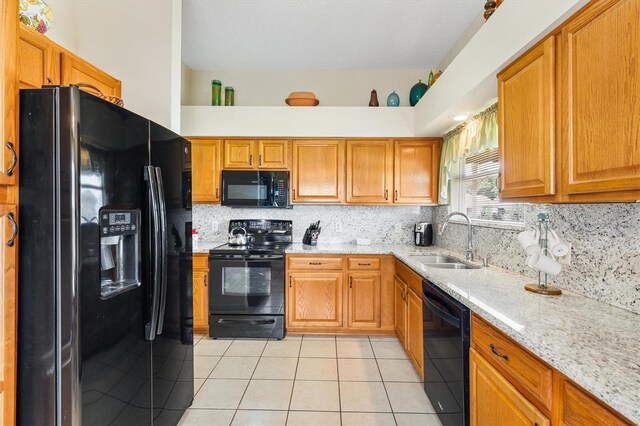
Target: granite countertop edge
{"points": [[618, 387]]}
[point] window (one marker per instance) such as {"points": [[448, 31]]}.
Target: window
{"points": [[474, 191]]}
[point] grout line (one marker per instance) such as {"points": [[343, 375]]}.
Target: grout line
{"points": [[338, 381], [293, 386], [248, 382], [384, 386]]}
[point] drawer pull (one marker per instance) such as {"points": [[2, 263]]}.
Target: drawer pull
{"points": [[493, 349], [364, 264], [14, 158], [350, 282], [315, 263]]}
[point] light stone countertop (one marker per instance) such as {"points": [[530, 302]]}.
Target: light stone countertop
{"points": [[594, 344]]}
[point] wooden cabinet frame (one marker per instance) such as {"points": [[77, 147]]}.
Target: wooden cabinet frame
{"points": [[205, 170]]}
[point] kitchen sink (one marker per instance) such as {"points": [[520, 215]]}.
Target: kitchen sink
{"points": [[449, 266], [435, 259]]}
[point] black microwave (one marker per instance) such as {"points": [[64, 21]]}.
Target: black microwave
{"points": [[255, 189]]}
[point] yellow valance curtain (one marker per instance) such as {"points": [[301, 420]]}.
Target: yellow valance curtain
{"points": [[477, 135]]}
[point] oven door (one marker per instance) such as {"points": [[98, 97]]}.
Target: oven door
{"points": [[246, 285], [255, 189]]}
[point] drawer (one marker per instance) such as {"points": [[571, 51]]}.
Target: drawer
{"points": [[525, 370], [364, 263], [314, 263], [200, 261], [406, 274]]}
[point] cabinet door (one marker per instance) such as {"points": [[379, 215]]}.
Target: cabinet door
{"points": [[273, 154], [318, 171], [369, 171], [494, 401], [400, 310], [76, 70], [416, 170], [314, 299], [414, 329], [8, 302], [600, 101], [239, 154], [205, 170], [201, 300], [363, 300], [575, 407], [8, 91], [38, 60], [526, 116]]}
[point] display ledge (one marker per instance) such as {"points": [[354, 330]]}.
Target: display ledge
{"points": [[592, 343], [285, 121]]}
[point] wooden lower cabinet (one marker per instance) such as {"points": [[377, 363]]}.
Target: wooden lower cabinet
{"points": [[575, 407], [399, 289], [414, 341], [494, 401], [363, 298], [201, 293], [511, 386], [8, 304], [314, 299], [338, 294]]}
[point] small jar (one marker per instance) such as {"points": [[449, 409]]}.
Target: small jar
{"points": [[229, 96], [216, 95]]}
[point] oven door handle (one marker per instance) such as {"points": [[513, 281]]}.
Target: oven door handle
{"points": [[247, 321], [439, 312]]}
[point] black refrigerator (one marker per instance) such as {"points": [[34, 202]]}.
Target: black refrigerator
{"points": [[105, 317]]}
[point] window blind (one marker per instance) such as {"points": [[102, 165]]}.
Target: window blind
{"points": [[475, 181]]}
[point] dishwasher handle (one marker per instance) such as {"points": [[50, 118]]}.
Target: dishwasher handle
{"points": [[426, 299]]}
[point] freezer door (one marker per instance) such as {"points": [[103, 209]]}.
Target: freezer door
{"points": [[173, 343]]}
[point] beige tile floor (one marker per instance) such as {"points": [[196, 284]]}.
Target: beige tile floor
{"points": [[306, 380]]}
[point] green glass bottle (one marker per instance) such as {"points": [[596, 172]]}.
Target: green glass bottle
{"points": [[229, 95], [216, 93]]}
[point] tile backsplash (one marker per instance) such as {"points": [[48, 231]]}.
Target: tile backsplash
{"points": [[381, 224], [605, 253]]}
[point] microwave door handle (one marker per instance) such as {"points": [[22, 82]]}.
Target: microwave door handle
{"points": [[274, 191], [151, 326], [162, 210]]}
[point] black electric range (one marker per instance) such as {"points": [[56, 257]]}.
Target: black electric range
{"points": [[247, 282]]}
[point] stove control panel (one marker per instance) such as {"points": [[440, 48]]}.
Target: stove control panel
{"points": [[263, 226]]}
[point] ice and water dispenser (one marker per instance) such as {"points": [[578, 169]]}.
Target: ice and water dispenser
{"points": [[119, 251]]}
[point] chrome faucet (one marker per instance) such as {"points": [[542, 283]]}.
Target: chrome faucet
{"points": [[469, 253]]}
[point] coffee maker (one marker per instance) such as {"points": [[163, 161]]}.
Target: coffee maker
{"points": [[423, 234]]}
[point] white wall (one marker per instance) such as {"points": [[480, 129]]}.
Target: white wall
{"points": [[136, 41], [62, 31], [331, 87]]}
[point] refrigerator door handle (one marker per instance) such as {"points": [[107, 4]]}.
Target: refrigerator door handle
{"points": [[162, 207], [152, 325]]}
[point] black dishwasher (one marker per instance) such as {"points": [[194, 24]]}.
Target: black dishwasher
{"points": [[446, 354]]}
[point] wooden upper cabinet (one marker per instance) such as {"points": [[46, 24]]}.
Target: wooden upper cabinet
{"points": [[38, 60], [526, 116], [363, 298], [77, 71], [314, 299], [205, 170], [273, 154], [600, 100], [318, 171], [239, 154], [8, 93], [575, 407], [494, 401], [369, 171], [416, 169]]}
